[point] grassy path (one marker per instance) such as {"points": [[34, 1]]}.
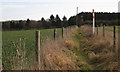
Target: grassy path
{"points": [[81, 55], [84, 60], [92, 50]]}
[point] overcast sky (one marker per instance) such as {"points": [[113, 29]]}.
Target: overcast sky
{"points": [[36, 9]]}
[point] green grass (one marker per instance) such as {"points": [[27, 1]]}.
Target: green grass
{"points": [[9, 50], [81, 55], [110, 28]]}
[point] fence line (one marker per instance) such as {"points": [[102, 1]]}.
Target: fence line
{"points": [[21, 56], [114, 35], [20, 52], [68, 29]]}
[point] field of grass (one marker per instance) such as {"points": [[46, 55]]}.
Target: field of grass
{"points": [[110, 28], [9, 38]]}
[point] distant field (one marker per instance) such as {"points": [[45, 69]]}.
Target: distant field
{"points": [[9, 50], [110, 28]]}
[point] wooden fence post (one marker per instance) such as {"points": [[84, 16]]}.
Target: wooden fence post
{"points": [[114, 38], [103, 31], [38, 48], [66, 31], [97, 29], [62, 31], [69, 29], [54, 33]]}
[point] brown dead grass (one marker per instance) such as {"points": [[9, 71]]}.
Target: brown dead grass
{"points": [[86, 31], [57, 55], [112, 66], [100, 47]]}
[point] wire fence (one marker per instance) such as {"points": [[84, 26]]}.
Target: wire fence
{"points": [[111, 32], [20, 54]]}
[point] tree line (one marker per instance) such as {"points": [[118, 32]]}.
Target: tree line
{"points": [[102, 18], [53, 22]]}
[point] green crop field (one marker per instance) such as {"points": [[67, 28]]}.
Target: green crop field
{"points": [[12, 38]]}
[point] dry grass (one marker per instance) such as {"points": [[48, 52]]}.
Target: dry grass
{"points": [[100, 47], [87, 31], [112, 66], [57, 55]]}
